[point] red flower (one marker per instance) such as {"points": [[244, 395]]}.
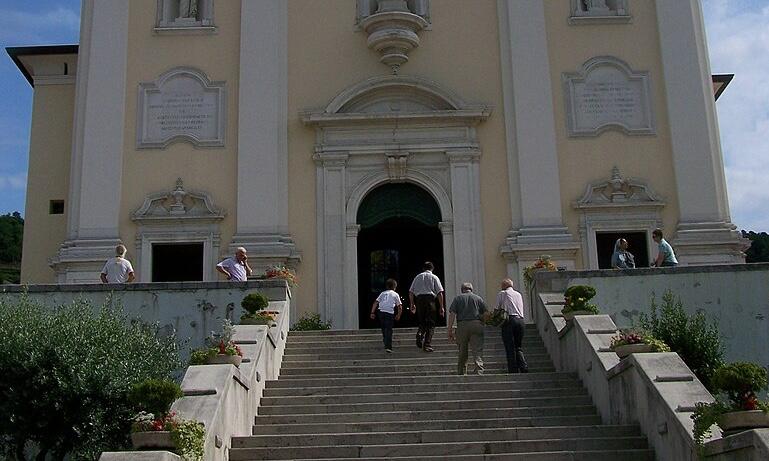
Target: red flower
{"points": [[750, 402]]}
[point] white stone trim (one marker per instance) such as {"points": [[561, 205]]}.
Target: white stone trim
{"points": [[619, 15], [217, 89], [262, 225], [42, 80], [165, 23], [641, 80]]}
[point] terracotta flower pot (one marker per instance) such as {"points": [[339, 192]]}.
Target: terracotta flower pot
{"points": [[627, 349], [743, 420], [223, 359], [572, 314], [153, 439]]}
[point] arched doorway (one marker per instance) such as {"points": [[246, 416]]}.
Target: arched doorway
{"points": [[398, 232]]}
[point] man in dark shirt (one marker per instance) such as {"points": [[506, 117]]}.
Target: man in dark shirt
{"points": [[468, 309]]}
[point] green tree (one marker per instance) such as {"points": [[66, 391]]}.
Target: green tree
{"points": [[11, 231], [759, 247], [65, 376]]}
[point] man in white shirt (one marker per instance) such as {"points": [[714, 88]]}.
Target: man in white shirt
{"points": [[425, 290], [512, 330], [386, 303], [237, 268], [118, 269]]}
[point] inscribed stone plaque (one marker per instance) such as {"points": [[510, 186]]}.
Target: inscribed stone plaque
{"points": [[182, 105], [607, 94]]}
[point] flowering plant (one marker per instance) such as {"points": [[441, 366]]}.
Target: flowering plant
{"points": [[631, 337], [543, 263], [217, 343], [147, 422], [188, 436], [282, 272]]}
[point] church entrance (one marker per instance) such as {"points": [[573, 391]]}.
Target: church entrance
{"points": [[399, 232]]}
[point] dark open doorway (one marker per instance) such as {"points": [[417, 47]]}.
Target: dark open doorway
{"points": [[637, 245], [399, 232], [177, 262]]}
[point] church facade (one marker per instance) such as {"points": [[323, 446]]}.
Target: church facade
{"points": [[353, 140]]}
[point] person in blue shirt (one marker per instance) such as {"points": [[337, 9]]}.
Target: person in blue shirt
{"points": [[665, 257]]}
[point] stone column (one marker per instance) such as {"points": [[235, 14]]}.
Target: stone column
{"points": [[96, 175], [262, 208], [705, 234], [537, 224], [467, 226], [330, 196]]}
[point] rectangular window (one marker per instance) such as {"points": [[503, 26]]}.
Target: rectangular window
{"points": [[56, 207], [636, 246], [177, 262]]}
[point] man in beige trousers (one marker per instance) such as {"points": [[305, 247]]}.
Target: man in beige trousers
{"points": [[468, 309]]}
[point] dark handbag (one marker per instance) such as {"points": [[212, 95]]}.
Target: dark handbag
{"points": [[499, 317]]}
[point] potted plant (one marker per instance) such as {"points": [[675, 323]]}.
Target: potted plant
{"points": [[630, 342], [254, 303], [542, 264], [736, 407], [576, 301], [220, 349], [169, 432], [152, 397], [282, 272]]}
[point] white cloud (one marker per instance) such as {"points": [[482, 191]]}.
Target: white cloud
{"points": [[16, 181], [44, 27], [738, 38]]}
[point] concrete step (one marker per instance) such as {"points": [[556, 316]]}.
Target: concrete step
{"points": [[429, 435], [409, 367], [467, 394], [331, 427], [427, 415], [425, 405], [397, 340], [403, 353], [609, 455], [387, 388], [448, 378], [387, 359], [443, 448], [530, 328], [441, 371]]}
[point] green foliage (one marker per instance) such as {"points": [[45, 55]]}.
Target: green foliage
{"points": [[11, 233], [254, 302], [310, 322], [739, 381], [154, 395], [759, 247], [577, 297], [66, 375], [705, 416], [189, 438], [200, 356], [639, 337], [692, 337]]}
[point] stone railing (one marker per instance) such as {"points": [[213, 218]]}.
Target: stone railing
{"points": [[745, 446], [657, 391], [225, 398]]}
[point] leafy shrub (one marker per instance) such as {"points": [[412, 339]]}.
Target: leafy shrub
{"points": [[66, 375], [310, 322], [154, 395], [577, 297], [692, 337], [254, 302], [631, 337]]}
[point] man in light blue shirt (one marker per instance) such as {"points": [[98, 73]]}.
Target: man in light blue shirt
{"points": [[665, 256]]}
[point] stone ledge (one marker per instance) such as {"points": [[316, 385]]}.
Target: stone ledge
{"points": [[548, 276], [746, 446], [166, 286]]}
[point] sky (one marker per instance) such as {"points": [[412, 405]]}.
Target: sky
{"points": [[738, 40]]}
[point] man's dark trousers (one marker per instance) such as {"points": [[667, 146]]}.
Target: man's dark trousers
{"points": [[386, 321], [427, 313], [512, 336]]}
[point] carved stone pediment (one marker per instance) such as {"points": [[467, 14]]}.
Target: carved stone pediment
{"points": [[618, 192], [178, 204]]}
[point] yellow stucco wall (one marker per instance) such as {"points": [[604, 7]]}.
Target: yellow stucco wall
{"points": [[647, 158], [50, 149], [214, 170]]}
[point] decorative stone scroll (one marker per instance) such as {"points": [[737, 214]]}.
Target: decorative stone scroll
{"points": [[607, 94], [181, 105]]}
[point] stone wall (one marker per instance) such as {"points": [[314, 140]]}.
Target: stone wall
{"points": [[735, 296], [191, 309]]}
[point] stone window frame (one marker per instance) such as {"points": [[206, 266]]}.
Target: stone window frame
{"points": [[365, 8], [577, 16], [166, 24]]}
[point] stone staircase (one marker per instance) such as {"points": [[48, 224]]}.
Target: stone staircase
{"points": [[340, 396]]}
